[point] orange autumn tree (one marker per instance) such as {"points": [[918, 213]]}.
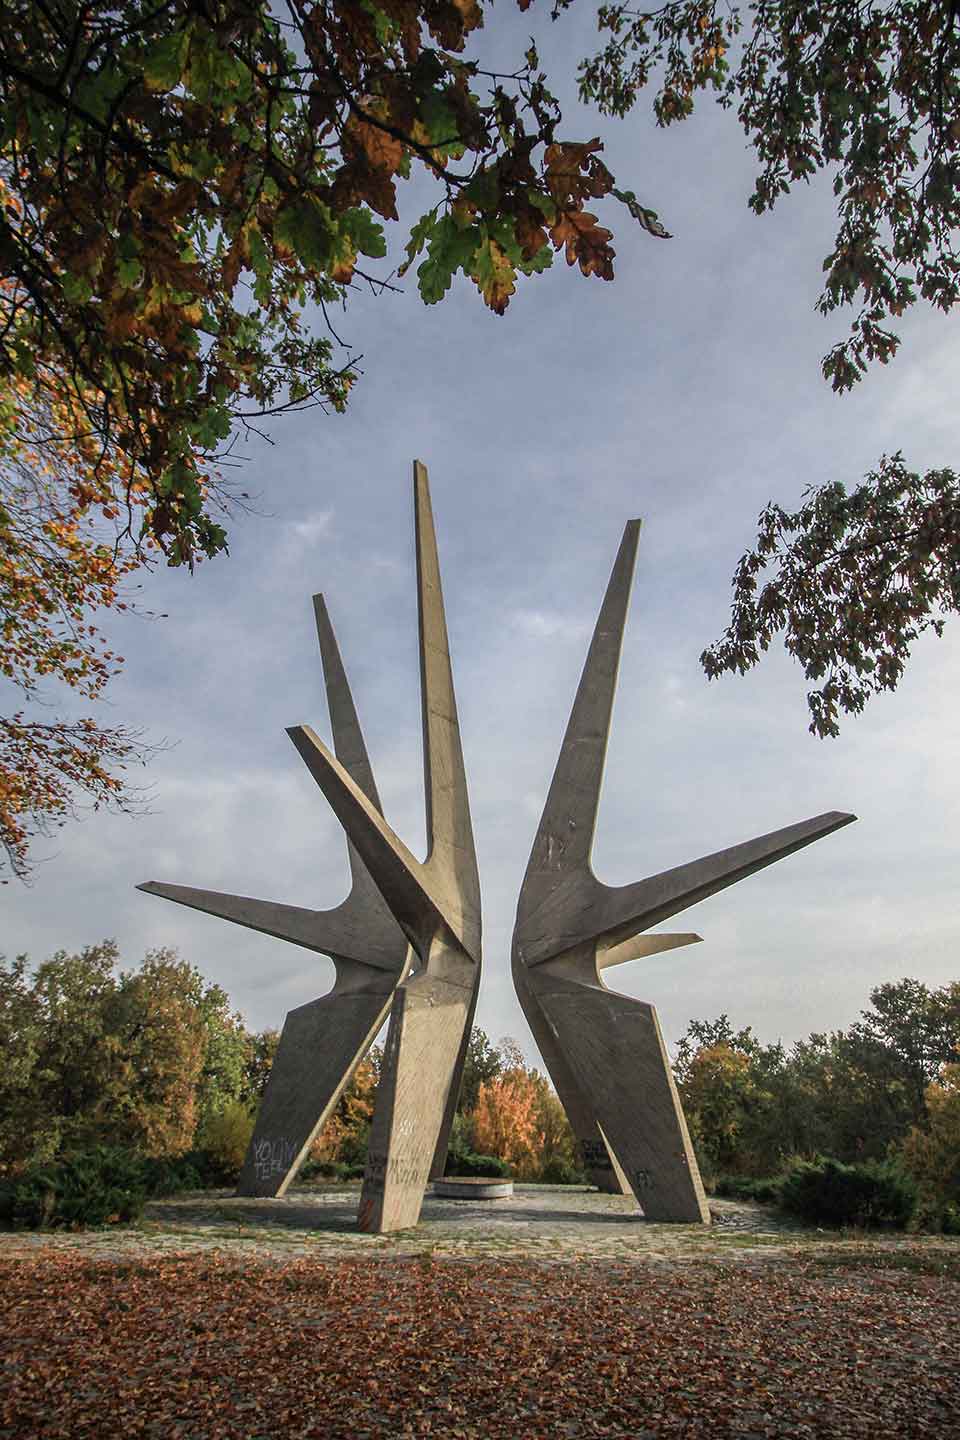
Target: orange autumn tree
{"points": [[504, 1121], [344, 1136]]}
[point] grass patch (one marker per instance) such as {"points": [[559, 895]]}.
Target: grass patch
{"points": [[937, 1261]]}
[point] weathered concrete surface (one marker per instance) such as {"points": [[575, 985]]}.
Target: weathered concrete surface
{"points": [[436, 902], [322, 1042], [605, 1051]]}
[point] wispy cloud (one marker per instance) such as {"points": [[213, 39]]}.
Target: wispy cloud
{"points": [[548, 625]]}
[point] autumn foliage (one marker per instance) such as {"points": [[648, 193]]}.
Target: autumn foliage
{"points": [[504, 1120], [230, 1346]]}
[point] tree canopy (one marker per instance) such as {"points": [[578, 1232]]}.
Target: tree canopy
{"points": [[187, 189]]}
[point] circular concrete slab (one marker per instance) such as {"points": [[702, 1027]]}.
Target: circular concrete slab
{"points": [[481, 1187]]}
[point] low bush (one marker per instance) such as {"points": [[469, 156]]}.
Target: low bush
{"points": [[102, 1186], [741, 1187], [465, 1162], [558, 1171], [824, 1191], [164, 1176], [330, 1170], [221, 1144], [319, 1170], [353, 1149]]}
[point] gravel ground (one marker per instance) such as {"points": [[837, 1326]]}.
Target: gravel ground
{"points": [[538, 1221]]}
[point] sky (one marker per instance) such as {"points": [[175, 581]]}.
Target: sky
{"points": [[686, 392]]}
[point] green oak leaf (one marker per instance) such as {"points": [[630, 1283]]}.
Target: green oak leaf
{"points": [[366, 233], [166, 60]]}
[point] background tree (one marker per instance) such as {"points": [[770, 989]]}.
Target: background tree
{"points": [[141, 1058], [931, 1152], [344, 1137], [261, 1049], [155, 1034], [851, 1094], [557, 1153], [24, 1129], [484, 1063]]}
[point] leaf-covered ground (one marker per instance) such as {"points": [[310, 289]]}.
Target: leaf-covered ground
{"points": [[200, 1347]]}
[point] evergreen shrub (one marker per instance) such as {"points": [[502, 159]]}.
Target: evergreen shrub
{"points": [[741, 1187], [467, 1163], [101, 1186], [827, 1192]]}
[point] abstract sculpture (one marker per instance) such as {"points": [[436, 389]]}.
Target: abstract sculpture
{"points": [[396, 903], [604, 1051], [407, 940]]}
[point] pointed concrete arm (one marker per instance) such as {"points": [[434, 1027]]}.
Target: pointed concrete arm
{"points": [[640, 946], [348, 742], [451, 853], [404, 883], [580, 908], [345, 931], [565, 836]]}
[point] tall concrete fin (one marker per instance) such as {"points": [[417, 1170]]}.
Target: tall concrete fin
{"points": [[565, 836], [348, 742], [339, 932], [450, 845], [321, 1046]]}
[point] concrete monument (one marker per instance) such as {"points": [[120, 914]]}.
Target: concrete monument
{"points": [[604, 1051], [407, 941]]}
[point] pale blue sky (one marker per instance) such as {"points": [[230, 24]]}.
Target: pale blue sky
{"points": [[686, 392]]}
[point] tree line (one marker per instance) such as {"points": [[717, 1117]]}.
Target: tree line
{"points": [[886, 1088], [155, 1060]]}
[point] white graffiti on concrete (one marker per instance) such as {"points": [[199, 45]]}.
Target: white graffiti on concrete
{"points": [[273, 1157]]}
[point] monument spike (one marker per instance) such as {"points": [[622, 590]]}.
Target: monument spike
{"points": [[565, 834], [420, 908], [340, 933], [581, 908], [348, 741], [638, 947], [450, 843]]}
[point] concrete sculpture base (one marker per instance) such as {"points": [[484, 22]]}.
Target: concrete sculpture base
{"points": [[604, 1051], [468, 1187]]}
